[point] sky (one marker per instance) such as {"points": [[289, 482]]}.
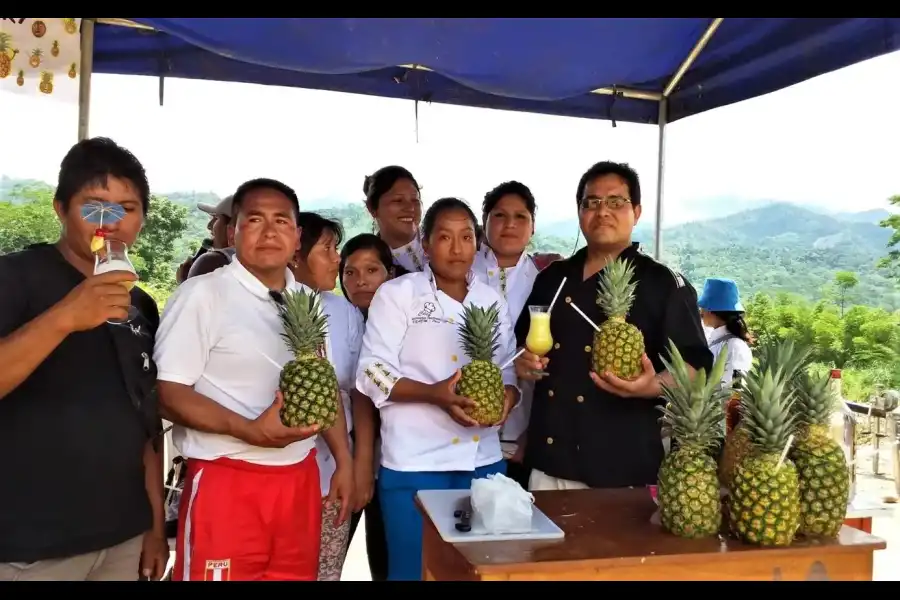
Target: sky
{"points": [[831, 141]]}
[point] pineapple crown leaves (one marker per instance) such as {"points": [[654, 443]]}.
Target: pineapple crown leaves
{"points": [[695, 407], [304, 322], [783, 355], [813, 401], [615, 288], [480, 331], [767, 400]]}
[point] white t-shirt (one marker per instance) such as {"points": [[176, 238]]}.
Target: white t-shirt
{"points": [[220, 333], [740, 356]]}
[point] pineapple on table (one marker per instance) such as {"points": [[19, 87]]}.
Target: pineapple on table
{"points": [[785, 357], [688, 489], [481, 380], [821, 464], [308, 383], [764, 505], [619, 345]]}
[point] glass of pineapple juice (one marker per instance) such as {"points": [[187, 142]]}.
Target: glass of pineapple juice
{"points": [[539, 340], [113, 256]]}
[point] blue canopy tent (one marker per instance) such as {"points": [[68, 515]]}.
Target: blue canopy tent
{"points": [[635, 70]]}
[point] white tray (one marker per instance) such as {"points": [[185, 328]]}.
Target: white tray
{"points": [[441, 504]]}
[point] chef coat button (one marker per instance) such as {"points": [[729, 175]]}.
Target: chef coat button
{"points": [[587, 348], [580, 398], [450, 320], [475, 438], [556, 346], [454, 441], [568, 299], [453, 357], [550, 393], [549, 440], [490, 273]]}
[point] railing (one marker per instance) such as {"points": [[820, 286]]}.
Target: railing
{"points": [[876, 417]]}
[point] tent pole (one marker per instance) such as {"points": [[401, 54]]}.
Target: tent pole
{"points": [[692, 56], [660, 179], [84, 82]]}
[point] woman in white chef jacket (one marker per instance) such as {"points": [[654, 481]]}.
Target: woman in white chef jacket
{"points": [[316, 265], [409, 366], [393, 200], [508, 213], [723, 321]]}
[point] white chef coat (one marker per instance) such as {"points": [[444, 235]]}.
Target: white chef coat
{"points": [[412, 332], [514, 285], [411, 256], [740, 357], [220, 334], [345, 330]]}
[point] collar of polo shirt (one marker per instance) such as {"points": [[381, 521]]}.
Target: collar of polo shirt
{"points": [[254, 285]]}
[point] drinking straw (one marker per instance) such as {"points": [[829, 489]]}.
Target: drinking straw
{"points": [[584, 316], [555, 296], [784, 452], [510, 361]]}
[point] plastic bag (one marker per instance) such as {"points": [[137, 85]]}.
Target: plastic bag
{"points": [[500, 505]]}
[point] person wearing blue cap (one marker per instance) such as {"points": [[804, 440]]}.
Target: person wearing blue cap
{"points": [[723, 321]]}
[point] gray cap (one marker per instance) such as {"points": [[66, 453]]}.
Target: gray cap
{"points": [[222, 208]]}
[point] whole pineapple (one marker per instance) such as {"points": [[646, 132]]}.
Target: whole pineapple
{"points": [[481, 380], [783, 356], [820, 460], [619, 345], [764, 506], [688, 489], [308, 383]]}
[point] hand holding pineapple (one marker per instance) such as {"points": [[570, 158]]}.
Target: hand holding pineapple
{"points": [[443, 394], [267, 430], [646, 385]]}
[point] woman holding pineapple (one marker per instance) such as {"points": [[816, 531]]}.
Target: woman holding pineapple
{"points": [[316, 266], [429, 361], [393, 200], [502, 262]]}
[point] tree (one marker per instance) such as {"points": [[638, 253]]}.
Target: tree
{"points": [[891, 262], [154, 252], [843, 285]]}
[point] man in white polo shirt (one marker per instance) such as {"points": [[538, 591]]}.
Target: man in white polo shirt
{"points": [[251, 506]]}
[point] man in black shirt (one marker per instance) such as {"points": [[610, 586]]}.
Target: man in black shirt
{"points": [[599, 432], [79, 431]]}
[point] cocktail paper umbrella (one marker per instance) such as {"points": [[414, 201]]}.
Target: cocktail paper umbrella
{"points": [[98, 212]]}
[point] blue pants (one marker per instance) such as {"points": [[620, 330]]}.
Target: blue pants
{"points": [[402, 520]]}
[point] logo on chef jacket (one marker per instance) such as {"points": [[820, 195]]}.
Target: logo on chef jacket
{"points": [[425, 315]]}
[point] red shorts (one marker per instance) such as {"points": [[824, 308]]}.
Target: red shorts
{"points": [[246, 522]]}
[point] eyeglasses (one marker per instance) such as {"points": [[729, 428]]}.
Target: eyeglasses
{"points": [[611, 202]]}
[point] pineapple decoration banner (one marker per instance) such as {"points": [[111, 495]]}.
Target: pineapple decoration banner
{"points": [[41, 57]]}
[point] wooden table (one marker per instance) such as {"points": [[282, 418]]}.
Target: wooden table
{"points": [[609, 537]]}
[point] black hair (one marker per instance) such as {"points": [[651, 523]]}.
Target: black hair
{"points": [[312, 227], [365, 241], [263, 184], [378, 183], [505, 189], [92, 162], [441, 206], [624, 171], [735, 324]]}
